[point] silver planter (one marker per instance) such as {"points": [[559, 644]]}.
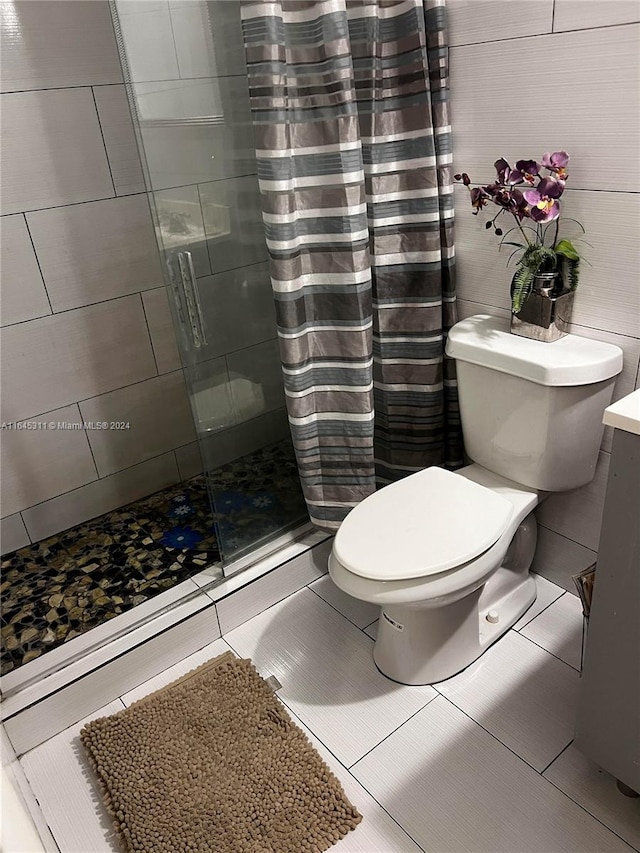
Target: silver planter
{"points": [[546, 312]]}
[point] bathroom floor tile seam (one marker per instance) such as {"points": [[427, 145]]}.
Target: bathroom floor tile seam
{"points": [[346, 772], [439, 693]]}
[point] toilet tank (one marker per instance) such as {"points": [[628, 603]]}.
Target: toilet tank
{"points": [[532, 411]]}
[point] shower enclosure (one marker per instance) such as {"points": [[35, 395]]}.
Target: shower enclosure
{"points": [[184, 66]]}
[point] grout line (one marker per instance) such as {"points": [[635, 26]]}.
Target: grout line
{"points": [[582, 325], [99, 479], [564, 535], [233, 269], [103, 394], [324, 600], [586, 810], [495, 737], [135, 292], [543, 35], [87, 305], [387, 736], [348, 771], [31, 542], [60, 88], [153, 351], [76, 203], [533, 643], [542, 772], [533, 618], [93, 458], [44, 284], [104, 144]]}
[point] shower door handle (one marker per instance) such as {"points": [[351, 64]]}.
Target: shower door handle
{"points": [[189, 287]]}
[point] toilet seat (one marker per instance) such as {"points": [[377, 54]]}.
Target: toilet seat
{"points": [[425, 524]]}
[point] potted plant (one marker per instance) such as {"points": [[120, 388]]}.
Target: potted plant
{"points": [[548, 267]]}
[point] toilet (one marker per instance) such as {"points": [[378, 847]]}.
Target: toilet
{"points": [[446, 555]]}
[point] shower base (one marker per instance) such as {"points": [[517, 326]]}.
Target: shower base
{"points": [[63, 586]]}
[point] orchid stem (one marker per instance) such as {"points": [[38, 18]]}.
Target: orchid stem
{"points": [[522, 229]]}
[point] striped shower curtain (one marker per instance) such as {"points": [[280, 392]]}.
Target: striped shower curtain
{"points": [[353, 143]]}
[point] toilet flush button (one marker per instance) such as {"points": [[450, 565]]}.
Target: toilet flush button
{"points": [[493, 616]]}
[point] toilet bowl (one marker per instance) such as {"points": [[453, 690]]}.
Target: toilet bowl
{"points": [[471, 603], [447, 555]]}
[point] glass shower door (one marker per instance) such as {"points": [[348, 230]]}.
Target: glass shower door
{"points": [[188, 90]]}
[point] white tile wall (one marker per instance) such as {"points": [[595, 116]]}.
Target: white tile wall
{"points": [[23, 293], [13, 533], [158, 417], [192, 152], [558, 558], [255, 377], [244, 438], [180, 226], [209, 387], [51, 45], [581, 14], [189, 460], [148, 39], [238, 308], [625, 381], [608, 296], [473, 21], [98, 497], [71, 167], [75, 355], [119, 139], [52, 150], [578, 514], [207, 45], [42, 462], [233, 222], [96, 251], [585, 91], [569, 103], [161, 329]]}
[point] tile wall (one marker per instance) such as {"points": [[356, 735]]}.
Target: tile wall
{"points": [[528, 76], [87, 332]]}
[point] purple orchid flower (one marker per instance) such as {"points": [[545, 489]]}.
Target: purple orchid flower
{"points": [[544, 207], [526, 171], [556, 163], [503, 170], [518, 205], [479, 198]]}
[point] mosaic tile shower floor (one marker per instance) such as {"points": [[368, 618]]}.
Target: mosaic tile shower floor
{"points": [[59, 588]]}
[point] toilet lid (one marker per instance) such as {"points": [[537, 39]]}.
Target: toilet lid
{"points": [[429, 522]]}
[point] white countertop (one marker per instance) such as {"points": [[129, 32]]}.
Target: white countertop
{"points": [[625, 413]]}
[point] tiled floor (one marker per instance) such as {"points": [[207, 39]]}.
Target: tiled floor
{"points": [[484, 763], [69, 583]]}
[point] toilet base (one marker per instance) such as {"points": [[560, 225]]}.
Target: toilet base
{"points": [[418, 645]]}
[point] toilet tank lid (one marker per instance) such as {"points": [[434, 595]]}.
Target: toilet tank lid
{"points": [[572, 360]]}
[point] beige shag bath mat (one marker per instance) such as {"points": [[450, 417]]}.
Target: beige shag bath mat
{"points": [[213, 764]]}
